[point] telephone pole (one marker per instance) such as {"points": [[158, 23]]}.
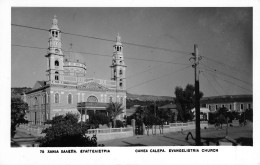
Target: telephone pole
{"points": [[196, 59], [155, 108]]}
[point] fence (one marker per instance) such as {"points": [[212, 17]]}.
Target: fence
{"points": [[111, 133], [108, 130], [186, 124], [32, 129]]}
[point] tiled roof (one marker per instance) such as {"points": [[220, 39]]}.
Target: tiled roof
{"points": [[227, 99], [168, 106]]}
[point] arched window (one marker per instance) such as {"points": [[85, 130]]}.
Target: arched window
{"points": [[110, 99], [241, 106], [57, 98], [56, 76], [121, 84], [92, 99], [69, 98], [120, 72], [35, 101], [56, 63]]}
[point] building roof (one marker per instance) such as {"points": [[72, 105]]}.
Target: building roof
{"points": [[168, 106], [39, 84], [226, 99]]}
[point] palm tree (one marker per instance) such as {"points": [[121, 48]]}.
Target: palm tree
{"points": [[114, 109]]}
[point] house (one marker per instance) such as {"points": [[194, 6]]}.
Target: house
{"points": [[237, 103]]}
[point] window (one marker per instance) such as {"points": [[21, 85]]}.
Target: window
{"points": [[223, 105], [35, 101], [56, 63], [216, 107], [92, 99], [241, 106], [121, 100], [78, 97], [121, 84], [209, 107], [43, 99], [56, 98], [230, 106], [110, 99], [117, 48], [69, 98], [56, 76], [47, 98], [249, 106]]}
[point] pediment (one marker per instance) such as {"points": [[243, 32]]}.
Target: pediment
{"points": [[92, 86]]}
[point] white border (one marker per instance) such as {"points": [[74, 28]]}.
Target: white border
{"points": [[226, 155]]}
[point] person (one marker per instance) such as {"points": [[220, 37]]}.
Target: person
{"points": [[187, 137]]}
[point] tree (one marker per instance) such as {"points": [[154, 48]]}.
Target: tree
{"points": [[18, 111], [185, 101], [98, 118], [114, 109], [66, 131]]}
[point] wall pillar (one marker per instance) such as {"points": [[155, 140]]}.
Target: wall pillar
{"points": [[133, 125]]}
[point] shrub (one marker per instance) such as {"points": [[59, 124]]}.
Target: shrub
{"points": [[119, 124], [65, 131], [99, 118]]}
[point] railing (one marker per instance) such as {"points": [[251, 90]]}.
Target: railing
{"points": [[186, 124], [108, 130]]}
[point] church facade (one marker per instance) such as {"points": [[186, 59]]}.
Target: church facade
{"points": [[69, 89]]}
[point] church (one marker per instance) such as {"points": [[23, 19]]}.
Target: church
{"points": [[68, 89]]}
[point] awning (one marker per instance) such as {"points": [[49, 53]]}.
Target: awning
{"points": [[92, 105]]}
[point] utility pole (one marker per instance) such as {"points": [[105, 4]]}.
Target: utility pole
{"points": [[197, 90], [155, 108], [45, 106]]}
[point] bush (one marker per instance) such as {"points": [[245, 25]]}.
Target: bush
{"points": [[65, 131], [119, 124], [99, 118], [18, 111]]}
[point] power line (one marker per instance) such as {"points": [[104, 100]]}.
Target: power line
{"points": [[152, 68], [218, 72], [210, 82], [217, 82], [232, 83], [223, 64], [109, 40], [103, 55], [158, 77]]}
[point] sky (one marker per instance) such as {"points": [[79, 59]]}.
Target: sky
{"points": [[223, 35]]}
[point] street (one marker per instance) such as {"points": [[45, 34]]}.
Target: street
{"points": [[212, 136]]}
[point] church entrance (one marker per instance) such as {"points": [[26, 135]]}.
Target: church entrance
{"points": [[87, 109]]}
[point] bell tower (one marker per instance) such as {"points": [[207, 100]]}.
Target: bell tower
{"points": [[118, 67], [54, 55]]}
